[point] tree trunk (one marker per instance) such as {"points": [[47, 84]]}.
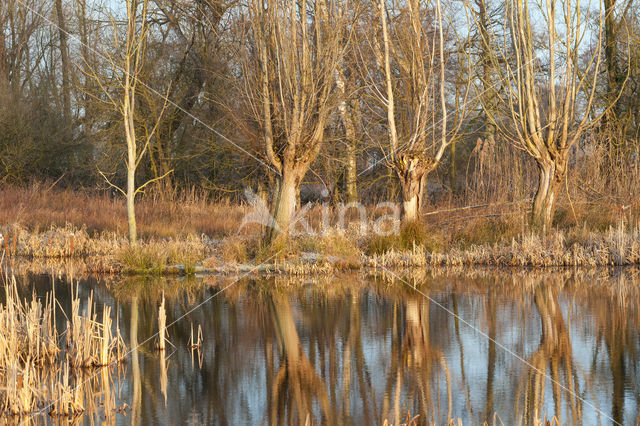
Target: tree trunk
{"points": [[554, 355], [348, 117], [351, 175], [452, 168], [417, 326], [4, 67], [544, 205], [297, 386], [131, 208], [412, 174], [284, 203], [64, 55], [614, 77], [410, 209]]}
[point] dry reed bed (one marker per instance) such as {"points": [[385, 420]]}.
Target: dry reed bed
{"points": [[615, 247], [72, 242], [36, 366]]}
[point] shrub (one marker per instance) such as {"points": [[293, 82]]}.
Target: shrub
{"points": [[282, 247], [379, 244], [412, 235]]}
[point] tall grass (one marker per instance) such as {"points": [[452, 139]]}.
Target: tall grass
{"points": [[68, 399], [483, 219], [39, 208]]}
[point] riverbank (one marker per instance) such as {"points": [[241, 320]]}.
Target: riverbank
{"points": [[191, 234], [304, 255]]}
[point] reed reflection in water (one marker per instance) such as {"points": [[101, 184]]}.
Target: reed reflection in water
{"points": [[362, 350]]}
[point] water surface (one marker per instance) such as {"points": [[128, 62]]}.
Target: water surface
{"points": [[357, 349]]}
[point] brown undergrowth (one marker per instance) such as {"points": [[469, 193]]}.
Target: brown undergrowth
{"points": [[178, 240], [39, 208]]}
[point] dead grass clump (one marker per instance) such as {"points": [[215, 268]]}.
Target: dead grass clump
{"points": [[147, 258], [379, 244], [28, 339], [68, 399], [333, 243], [487, 231], [155, 256], [587, 216], [618, 246], [20, 391], [417, 257], [61, 242], [186, 256], [412, 235], [234, 250], [281, 248]]}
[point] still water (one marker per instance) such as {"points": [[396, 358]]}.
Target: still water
{"points": [[478, 346]]}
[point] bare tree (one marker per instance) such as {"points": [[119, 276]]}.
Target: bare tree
{"points": [[413, 64], [122, 96], [293, 52], [550, 103]]}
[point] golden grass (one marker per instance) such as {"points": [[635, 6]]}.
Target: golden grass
{"points": [[27, 329], [68, 400], [154, 257], [235, 249]]}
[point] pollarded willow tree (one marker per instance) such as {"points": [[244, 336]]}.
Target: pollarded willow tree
{"points": [[293, 50], [414, 94], [550, 93]]}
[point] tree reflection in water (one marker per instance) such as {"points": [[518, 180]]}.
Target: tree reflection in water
{"points": [[420, 361], [296, 382], [551, 363], [356, 350]]}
